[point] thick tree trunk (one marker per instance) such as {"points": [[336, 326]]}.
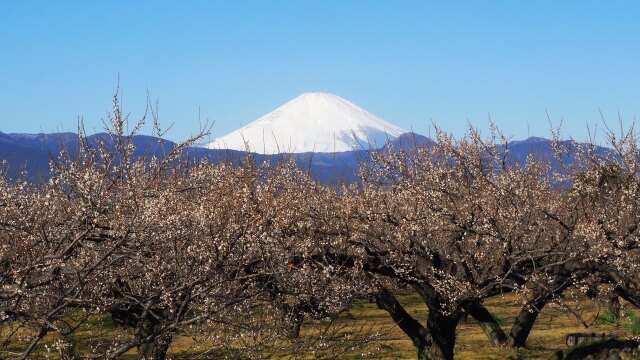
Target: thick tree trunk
{"points": [[156, 350], [410, 326], [614, 304], [487, 322], [436, 341], [424, 351], [525, 320], [443, 334], [161, 345], [296, 317]]}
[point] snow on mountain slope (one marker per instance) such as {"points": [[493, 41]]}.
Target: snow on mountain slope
{"points": [[312, 122]]}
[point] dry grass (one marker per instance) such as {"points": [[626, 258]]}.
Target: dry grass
{"points": [[547, 337]]}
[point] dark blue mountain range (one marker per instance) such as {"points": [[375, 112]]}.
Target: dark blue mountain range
{"points": [[29, 154]]}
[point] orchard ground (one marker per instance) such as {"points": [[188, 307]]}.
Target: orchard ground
{"points": [[547, 337]]}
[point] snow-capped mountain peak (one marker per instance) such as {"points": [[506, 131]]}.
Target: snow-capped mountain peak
{"points": [[312, 122]]}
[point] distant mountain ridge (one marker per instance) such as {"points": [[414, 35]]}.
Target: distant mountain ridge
{"points": [[31, 153], [322, 132]]}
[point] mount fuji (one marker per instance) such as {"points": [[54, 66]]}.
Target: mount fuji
{"points": [[312, 122]]}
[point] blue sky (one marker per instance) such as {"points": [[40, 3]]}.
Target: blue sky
{"points": [[410, 62]]}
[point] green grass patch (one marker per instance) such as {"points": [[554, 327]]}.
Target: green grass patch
{"points": [[609, 317], [634, 322]]}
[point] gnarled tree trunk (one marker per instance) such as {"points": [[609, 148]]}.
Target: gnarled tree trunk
{"points": [[436, 341], [487, 322], [156, 350], [443, 334], [524, 321], [418, 334]]}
